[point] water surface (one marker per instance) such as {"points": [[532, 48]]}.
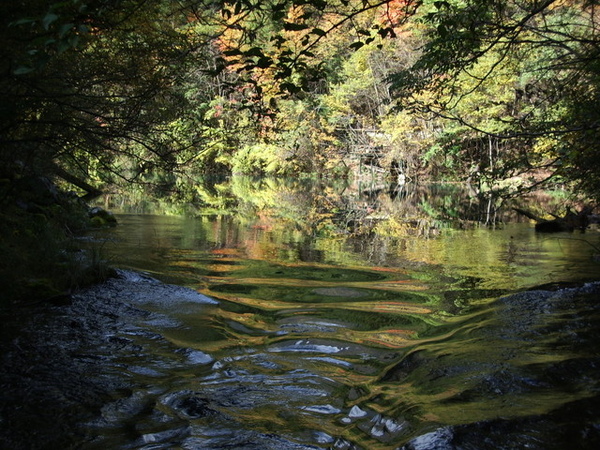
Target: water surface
{"points": [[354, 319], [365, 325]]}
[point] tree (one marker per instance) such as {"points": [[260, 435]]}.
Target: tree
{"points": [[98, 88], [77, 83], [532, 68]]}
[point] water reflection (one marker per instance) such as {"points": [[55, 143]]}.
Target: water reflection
{"points": [[439, 227], [354, 318]]}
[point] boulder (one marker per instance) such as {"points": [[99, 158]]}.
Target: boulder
{"points": [[100, 217]]}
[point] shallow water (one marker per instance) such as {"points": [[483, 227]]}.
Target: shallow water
{"points": [[373, 339]]}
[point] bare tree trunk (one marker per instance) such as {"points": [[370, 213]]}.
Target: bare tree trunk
{"points": [[91, 191]]}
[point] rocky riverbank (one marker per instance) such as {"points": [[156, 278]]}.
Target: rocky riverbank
{"points": [[53, 375], [40, 226]]}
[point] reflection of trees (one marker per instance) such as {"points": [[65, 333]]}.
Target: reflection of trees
{"points": [[312, 208], [413, 209], [316, 221], [321, 208]]}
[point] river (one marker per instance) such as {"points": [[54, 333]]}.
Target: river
{"points": [[342, 319]]}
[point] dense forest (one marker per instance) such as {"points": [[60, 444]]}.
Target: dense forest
{"points": [[485, 91], [502, 93]]}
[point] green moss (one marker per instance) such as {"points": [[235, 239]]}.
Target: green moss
{"points": [[98, 222], [102, 218]]}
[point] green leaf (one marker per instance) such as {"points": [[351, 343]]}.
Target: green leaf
{"points": [[22, 70], [64, 29], [357, 45], [63, 46], [442, 30], [289, 26], [73, 40], [319, 4], [278, 15], [264, 62], [21, 22], [278, 40], [48, 20], [284, 73], [254, 51], [238, 8], [232, 52], [290, 87], [384, 32], [318, 32]]}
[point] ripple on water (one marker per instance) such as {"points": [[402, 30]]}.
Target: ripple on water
{"points": [[306, 346], [142, 289]]}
